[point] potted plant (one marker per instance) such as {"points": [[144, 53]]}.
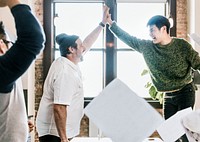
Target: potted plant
{"points": [[154, 94]]}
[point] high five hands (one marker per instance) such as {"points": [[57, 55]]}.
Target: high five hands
{"points": [[107, 16]]}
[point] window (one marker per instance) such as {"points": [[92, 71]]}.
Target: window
{"points": [[81, 18], [133, 17]]}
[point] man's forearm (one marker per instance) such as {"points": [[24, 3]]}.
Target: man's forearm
{"points": [[92, 37], [60, 115]]}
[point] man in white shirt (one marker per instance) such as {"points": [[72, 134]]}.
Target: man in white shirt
{"points": [[61, 106]]}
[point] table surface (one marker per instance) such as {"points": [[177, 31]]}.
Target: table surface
{"points": [[95, 139]]}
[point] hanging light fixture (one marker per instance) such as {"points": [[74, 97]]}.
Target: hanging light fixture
{"points": [[171, 21], [56, 20]]}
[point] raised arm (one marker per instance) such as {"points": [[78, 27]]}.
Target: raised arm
{"points": [[92, 37], [30, 41]]}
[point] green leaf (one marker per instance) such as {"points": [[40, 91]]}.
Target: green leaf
{"points": [[144, 72], [153, 92], [149, 84], [159, 97]]}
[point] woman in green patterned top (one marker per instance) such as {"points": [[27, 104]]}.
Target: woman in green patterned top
{"points": [[170, 62]]}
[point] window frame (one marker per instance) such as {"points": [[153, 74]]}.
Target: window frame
{"points": [[110, 39]]}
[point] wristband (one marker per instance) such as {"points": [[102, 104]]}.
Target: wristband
{"points": [[102, 24]]}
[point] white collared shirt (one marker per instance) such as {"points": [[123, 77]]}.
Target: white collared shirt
{"points": [[63, 85]]}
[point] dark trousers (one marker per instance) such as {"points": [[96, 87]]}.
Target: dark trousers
{"points": [[49, 138], [179, 100]]}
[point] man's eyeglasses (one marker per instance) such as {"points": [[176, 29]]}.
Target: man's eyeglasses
{"points": [[6, 41]]}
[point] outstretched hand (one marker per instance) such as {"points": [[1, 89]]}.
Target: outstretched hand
{"points": [[105, 14]]}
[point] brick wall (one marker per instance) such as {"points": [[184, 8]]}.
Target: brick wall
{"points": [[182, 19], [39, 79]]}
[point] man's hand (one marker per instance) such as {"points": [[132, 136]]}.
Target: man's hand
{"points": [[66, 140], [105, 14], [3, 3], [30, 126], [9, 3]]}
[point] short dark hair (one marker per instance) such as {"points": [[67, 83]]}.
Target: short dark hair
{"points": [[159, 21], [2, 30]]}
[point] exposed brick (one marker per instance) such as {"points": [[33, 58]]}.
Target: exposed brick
{"points": [[39, 77], [181, 18]]}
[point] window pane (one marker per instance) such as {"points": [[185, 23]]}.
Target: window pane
{"points": [[92, 71], [57, 54], [129, 68], [82, 18], [133, 17], [79, 19]]}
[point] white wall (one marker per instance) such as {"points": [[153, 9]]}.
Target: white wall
{"points": [[197, 47], [6, 17], [194, 27]]}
